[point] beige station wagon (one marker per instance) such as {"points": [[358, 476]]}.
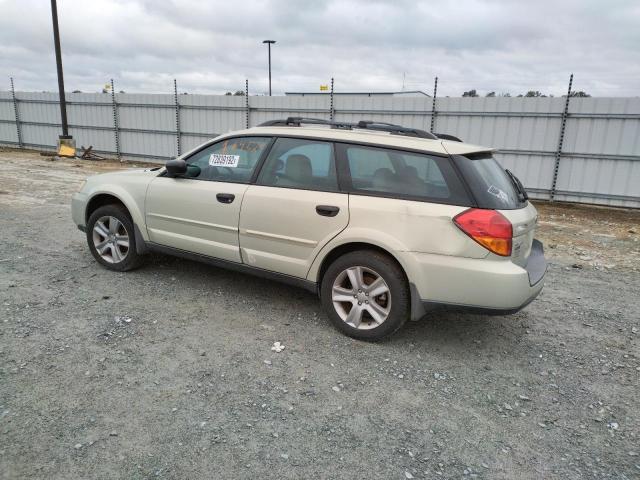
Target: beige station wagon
{"points": [[385, 223]]}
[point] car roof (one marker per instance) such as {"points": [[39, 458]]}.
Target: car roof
{"points": [[445, 147]]}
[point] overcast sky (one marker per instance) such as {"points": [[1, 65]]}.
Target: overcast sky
{"points": [[211, 46]]}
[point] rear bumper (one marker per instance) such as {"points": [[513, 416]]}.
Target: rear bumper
{"points": [[489, 286]]}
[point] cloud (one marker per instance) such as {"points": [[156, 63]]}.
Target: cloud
{"points": [[212, 46]]}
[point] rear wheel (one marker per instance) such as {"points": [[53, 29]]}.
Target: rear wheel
{"points": [[111, 238], [366, 295]]}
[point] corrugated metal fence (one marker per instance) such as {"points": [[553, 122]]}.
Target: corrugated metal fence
{"points": [[595, 160]]}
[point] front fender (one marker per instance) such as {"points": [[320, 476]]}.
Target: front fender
{"points": [[133, 202]]}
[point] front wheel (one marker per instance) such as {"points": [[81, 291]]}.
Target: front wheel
{"points": [[365, 294], [111, 238]]}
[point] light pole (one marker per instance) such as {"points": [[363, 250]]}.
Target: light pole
{"points": [[269, 42], [56, 42], [65, 138]]}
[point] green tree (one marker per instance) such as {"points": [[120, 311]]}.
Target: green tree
{"points": [[470, 93], [490, 94], [579, 94]]}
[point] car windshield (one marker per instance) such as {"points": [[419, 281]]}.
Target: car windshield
{"points": [[490, 183]]}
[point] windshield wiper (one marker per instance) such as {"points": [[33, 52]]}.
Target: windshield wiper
{"points": [[522, 193]]}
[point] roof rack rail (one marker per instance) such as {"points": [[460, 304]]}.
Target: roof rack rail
{"points": [[362, 124], [393, 128], [446, 136], [298, 121]]}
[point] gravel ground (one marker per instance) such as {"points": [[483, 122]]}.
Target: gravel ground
{"points": [[168, 372]]}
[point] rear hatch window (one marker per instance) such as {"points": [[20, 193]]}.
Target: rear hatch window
{"points": [[491, 185]]}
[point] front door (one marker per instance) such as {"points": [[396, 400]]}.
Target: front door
{"points": [[199, 212], [294, 209]]}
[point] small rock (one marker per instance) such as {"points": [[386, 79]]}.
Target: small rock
{"points": [[277, 347], [267, 362], [113, 434], [335, 389], [524, 397], [613, 425], [543, 425], [77, 446], [408, 475], [633, 454], [284, 456], [508, 407]]}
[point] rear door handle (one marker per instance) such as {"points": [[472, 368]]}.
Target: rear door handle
{"points": [[225, 197], [327, 210]]}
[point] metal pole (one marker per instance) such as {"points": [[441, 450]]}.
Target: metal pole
{"points": [[269, 68], [177, 104], [563, 125], [16, 114], [331, 112], [269, 42], [433, 104], [246, 102], [116, 122], [56, 41]]}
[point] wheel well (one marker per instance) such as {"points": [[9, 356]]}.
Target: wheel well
{"points": [[100, 201], [352, 247]]}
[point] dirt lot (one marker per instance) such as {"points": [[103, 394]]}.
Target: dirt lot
{"points": [[167, 372]]}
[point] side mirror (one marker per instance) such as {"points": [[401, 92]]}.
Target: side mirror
{"points": [[176, 167]]}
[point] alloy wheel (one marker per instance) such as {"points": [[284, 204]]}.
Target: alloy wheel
{"points": [[111, 239], [361, 297]]}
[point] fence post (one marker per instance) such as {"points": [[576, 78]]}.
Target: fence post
{"points": [[177, 104], [565, 114], [331, 111], [246, 102], [16, 114], [116, 121], [433, 104]]}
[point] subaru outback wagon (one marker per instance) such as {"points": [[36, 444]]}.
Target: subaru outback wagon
{"points": [[384, 223]]}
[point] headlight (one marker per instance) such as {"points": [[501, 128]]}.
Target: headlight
{"points": [[84, 182]]}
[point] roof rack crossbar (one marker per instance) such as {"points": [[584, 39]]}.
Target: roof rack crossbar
{"points": [[362, 124]]}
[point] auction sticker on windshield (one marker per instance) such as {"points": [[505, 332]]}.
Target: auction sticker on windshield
{"points": [[219, 160]]}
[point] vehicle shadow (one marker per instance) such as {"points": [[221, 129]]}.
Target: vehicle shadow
{"points": [[456, 330]]}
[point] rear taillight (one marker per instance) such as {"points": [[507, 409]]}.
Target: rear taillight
{"points": [[487, 227]]}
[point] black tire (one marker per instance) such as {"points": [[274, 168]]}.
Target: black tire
{"points": [[132, 259], [387, 268]]}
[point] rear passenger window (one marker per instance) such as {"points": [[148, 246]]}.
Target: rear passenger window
{"points": [[304, 164], [403, 174]]}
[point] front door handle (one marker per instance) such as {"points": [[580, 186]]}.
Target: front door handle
{"points": [[225, 197], [327, 210]]}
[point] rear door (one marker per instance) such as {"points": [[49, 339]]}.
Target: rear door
{"points": [[199, 212], [294, 209]]}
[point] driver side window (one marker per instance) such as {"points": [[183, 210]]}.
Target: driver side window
{"points": [[230, 160]]}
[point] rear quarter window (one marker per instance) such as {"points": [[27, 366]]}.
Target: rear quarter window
{"points": [[489, 183], [400, 174]]}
